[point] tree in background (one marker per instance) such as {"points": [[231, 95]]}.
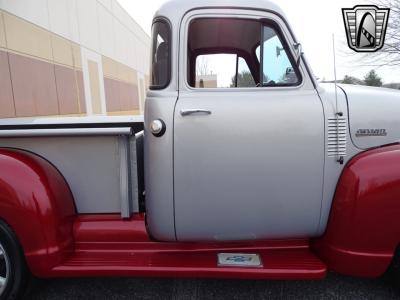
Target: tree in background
{"points": [[245, 79], [352, 80], [372, 79], [389, 55], [202, 66]]}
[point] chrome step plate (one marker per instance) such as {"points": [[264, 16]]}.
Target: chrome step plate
{"points": [[239, 260]]}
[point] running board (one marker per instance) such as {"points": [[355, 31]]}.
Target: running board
{"points": [[105, 245], [274, 264]]}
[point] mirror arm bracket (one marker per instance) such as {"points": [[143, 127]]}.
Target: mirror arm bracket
{"points": [[299, 53]]}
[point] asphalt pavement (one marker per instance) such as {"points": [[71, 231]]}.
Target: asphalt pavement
{"points": [[333, 287]]}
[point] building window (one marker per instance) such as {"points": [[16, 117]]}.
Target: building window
{"points": [[160, 55]]}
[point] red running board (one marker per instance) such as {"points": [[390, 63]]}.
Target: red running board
{"points": [[104, 248]]}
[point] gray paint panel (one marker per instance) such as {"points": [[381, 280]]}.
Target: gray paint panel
{"points": [[373, 109], [333, 168], [92, 120], [124, 179], [90, 164], [253, 169], [158, 166]]}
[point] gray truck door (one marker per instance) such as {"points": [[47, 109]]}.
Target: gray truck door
{"points": [[248, 160]]}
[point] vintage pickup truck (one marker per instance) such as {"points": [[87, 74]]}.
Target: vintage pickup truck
{"points": [[278, 177]]}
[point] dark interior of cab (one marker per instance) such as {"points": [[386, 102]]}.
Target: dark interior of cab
{"points": [[224, 36]]}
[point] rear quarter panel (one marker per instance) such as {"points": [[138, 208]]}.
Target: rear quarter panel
{"points": [[38, 205]]}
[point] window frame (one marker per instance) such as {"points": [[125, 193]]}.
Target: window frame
{"points": [[169, 64], [263, 21], [238, 57]]}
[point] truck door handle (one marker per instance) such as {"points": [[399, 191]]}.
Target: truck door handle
{"points": [[187, 112]]}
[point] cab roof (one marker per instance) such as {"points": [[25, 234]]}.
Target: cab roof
{"points": [[174, 10]]}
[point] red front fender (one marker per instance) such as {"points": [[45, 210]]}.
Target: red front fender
{"points": [[37, 203], [364, 226]]}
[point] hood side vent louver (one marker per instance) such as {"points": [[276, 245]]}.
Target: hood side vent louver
{"points": [[337, 136]]}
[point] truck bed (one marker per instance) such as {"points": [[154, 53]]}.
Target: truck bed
{"points": [[96, 155]]}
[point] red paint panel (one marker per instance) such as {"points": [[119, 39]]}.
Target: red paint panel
{"points": [[106, 245], [364, 225], [109, 229], [7, 109], [277, 264], [37, 203]]}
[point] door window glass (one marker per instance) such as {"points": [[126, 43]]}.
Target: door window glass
{"points": [[276, 65], [229, 53]]}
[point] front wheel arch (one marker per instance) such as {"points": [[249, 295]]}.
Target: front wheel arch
{"points": [[363, 230]]}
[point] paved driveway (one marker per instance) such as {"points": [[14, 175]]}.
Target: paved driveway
{"points": [[334, 287]]}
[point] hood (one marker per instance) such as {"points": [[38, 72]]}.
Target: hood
{"points": [[374, 115]]}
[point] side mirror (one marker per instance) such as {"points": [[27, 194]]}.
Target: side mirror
{"points": [[289, 70], [278, 51], [299, 53]]}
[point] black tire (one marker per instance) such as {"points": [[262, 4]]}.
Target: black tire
{"points": [[393, 274], [18, 274]]}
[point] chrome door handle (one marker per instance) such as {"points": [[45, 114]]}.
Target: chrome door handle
{"points": [[187, 112]]}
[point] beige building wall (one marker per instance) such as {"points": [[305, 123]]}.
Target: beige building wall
{"points": [[206, 81], [94, 87], [44, 69]]}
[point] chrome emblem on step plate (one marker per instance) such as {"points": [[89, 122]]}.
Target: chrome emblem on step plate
{"points": [[239, 260]]}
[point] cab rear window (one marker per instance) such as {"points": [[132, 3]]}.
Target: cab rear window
{"points": [[160, 55]]}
